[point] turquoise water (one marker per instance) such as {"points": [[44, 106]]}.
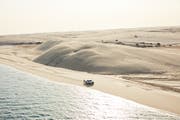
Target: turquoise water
{"points": [[24, 96]]}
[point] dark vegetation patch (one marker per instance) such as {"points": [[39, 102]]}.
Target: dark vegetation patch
{"points": [[20, 43]]}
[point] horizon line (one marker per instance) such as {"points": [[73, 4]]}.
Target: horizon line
{"points": [[88, 30]]}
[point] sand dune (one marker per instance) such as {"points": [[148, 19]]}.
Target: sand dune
{"points": [[108, 58], [98, 51], [47, 45]]}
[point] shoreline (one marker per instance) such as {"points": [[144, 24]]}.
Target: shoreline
{"points": [[141, 65], [163, 100]]}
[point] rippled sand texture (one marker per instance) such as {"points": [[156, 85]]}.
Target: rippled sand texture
{"points": [[138, 64], [24, 96]]}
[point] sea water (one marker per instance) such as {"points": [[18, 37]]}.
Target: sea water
{"points": [[24, 97]]}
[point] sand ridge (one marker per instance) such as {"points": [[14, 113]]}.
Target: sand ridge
{"points": [[102, 58]]}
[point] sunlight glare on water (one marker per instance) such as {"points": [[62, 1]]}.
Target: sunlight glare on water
{"points": [[24, 96]]}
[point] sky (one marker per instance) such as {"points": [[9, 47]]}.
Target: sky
{"points": [[36, 16]]}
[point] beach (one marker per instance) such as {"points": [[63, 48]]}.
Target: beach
{"points": [[40, 98], [127, 63]]}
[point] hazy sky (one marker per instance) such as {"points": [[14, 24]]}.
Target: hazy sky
{"points": [[31, 16]]}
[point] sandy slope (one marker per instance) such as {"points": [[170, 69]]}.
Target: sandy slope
{"points": [[149, 76], [109, 58]]}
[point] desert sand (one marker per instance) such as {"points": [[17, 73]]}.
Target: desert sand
{"points": [[138, 64]]}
